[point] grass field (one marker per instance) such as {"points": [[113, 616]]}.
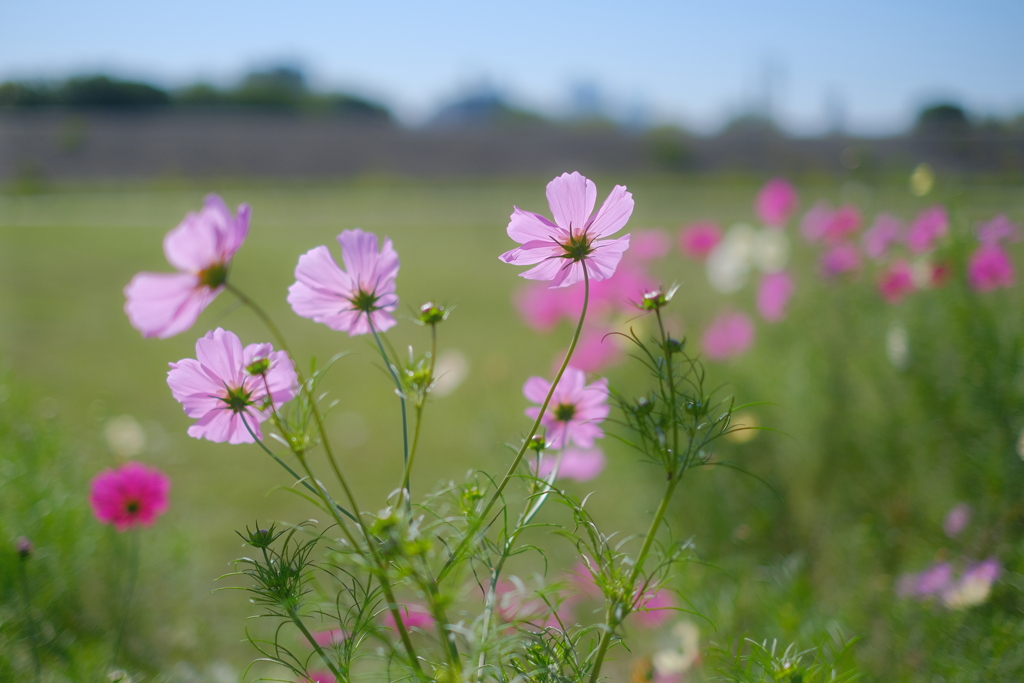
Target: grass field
{"points": [[66, 254]]}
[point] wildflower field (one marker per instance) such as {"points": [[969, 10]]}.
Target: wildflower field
{"points": [[856, 343]]}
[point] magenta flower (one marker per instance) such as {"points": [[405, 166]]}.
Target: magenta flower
{"points": [[729, 335], [957, 519], [773, 295], [414, 615], [227, 387], [927, 228], [998, 229], [776, 202], [595, 350], [330, 638], [896, 282], [832, 226], [842, 258], [990, 268], [132, 495], [884, 232], [165, 304], [575, 411], [698, 240], [648, 245], [576, 239], [357, 300], [319, 677], [654, 608], [577, 464]]}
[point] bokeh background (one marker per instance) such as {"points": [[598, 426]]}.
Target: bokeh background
{"points": [[427, 123]]}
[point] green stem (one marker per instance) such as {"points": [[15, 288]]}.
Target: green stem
{"points": [[33, 632], [645, 549], [382, 566], [412, 454], [398, 386], [133, 573], [471, 534], [492, 587], [294, 616]]}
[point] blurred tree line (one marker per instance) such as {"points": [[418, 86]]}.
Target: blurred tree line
{"points": [[281, 88]]}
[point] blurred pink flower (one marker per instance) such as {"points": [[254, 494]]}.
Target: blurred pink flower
{"points": [[583, 580], [348, 300], [990, 268], [931, 582], [414, 615], [773, 295], [956, 520], [815, 222], [823, 222], [542, 307], [200, 248], [927, 228], [776, 202], [699, 239], [517, 603], [897, 281], [975, 586], [998, 229], [225, 382], [842, 258], [655, 608], [320, 677], [331, 638], [649, 245], [884, 232], [845, 221], [728, 335], [577, 464], [575, 411], [576, 238], [595, 351], [132, 495]]}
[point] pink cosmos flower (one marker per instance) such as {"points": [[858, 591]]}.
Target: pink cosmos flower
{"points": [[517, 603], [320, 677], [649, 245], [884, 232], [595, 350], [957, 519], [896, 282], [776, 202], [575, 411], [927, 228], [414, 615], [698, 240], [356, 300], [842, 258], [576, 238], [577, 464], [773, 295], [990, 268], [654, 608], [998, 229], [831, 225], [330, 638], [132, 495], [200, 248], [227, 384], [729, 335]]}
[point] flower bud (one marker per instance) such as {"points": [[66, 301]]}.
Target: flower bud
{"points": [[657, 298], [432, 314], [537, 443], [24, 547], [258, 366]]}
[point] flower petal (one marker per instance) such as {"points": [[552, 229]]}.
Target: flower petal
{"points": [[165, 304], [571, 198], [613, 214], [524, 226]]}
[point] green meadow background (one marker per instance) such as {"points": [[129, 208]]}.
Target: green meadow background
{"points": [[847, 491]]}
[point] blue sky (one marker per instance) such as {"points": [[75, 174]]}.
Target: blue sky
{"points": [[869, 65]]}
